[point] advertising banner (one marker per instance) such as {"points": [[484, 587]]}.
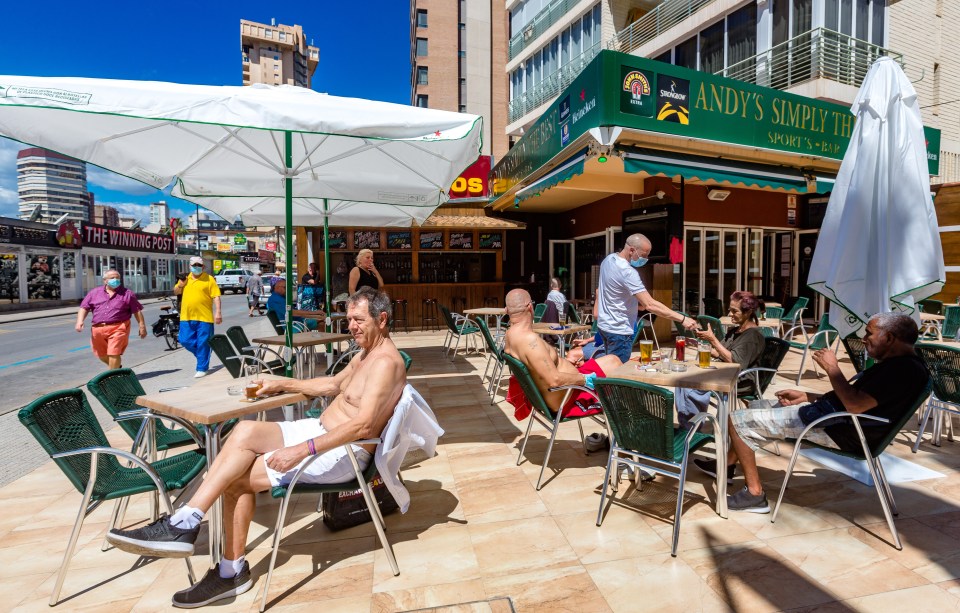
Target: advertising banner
{"points": [[129, 240]]}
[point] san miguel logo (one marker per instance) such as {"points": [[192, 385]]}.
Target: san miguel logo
{"points": [[673, 99], [635, 95]]}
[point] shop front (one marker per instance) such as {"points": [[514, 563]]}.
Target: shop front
{"points": [[726, 178], [146, 261], [38, 263]]}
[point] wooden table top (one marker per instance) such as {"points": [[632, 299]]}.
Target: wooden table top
{"points": [[545, 328], [720, 377], [775, 305], [304, 339], [207, 401], [931, 317], [486, 311], [764, 323]]}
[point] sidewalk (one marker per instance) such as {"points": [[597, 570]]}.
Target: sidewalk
{"points": [[30, 314]]}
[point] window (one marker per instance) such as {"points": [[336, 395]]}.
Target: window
{"points": [[665, 57], [422, 78], [421, 47], [461, 54], [421, 18], [711, 48], [686, 54], [422, 100], [742, 35], [463, 108]]}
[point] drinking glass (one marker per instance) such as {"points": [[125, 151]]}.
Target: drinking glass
{"points": [[665, 360], [646, 352], [703, 355], [253, 385], [562, 317]]}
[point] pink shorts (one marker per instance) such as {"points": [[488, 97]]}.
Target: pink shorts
{"points": [[110, 339]]}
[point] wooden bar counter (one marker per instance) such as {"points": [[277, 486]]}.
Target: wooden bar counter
{"points": [[475, 295]]}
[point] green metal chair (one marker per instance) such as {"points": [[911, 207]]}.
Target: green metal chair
{"points": [[869, 454], [538, 312], [825, 336], [713, 322], [753, 382], [951, 324], [774, 312], [494, 359], [712, 307], [274, 319], [541, 412], [931, 307], [233, 361], [943, 362], [573, 316], [238, 337], [458, 327], [407, 360], [641, 419], [794, 317], [65, 426], [857, 352]]}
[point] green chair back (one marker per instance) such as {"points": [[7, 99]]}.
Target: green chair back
{"points": [[530, 390], [572, 315], [951, 322], [274, 321], [713, 322], [488, 337], [857, 352], [407, 360], [943, 362], [800, 303], [239, 339], [774, 312], [452, 325], [931, 307], [681, 331], [538, 312], [895, 427], [825, 340], [224, 350], [774, 351]]}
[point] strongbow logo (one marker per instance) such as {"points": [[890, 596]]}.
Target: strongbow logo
{"points": [[673, 99]]}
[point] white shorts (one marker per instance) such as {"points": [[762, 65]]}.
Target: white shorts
{"points": [[331, 467]]}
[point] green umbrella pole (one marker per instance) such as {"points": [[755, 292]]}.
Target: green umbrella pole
{"points": [[288, 185], [326, 267]]}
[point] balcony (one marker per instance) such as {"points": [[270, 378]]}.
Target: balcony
{"points": [[540, 23], [551, 85], [666, 15], [817, 54]]}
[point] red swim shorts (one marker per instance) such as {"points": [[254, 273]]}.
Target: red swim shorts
{"points": [[573, 408]]}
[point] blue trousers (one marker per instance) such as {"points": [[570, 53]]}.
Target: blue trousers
{"points": [[617, 344], [194, 336]]}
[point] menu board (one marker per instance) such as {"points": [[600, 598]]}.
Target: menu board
{"points": [[400, 240], [431, 240], [338, 239], [366, 239], [461, 240], [491, 240]]}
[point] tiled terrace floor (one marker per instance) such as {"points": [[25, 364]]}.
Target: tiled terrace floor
{"points": [[477, 529]]}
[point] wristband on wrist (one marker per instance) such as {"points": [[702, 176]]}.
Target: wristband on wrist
{"points": [[310, 447]]}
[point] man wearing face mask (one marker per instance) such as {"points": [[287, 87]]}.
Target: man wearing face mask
{"points": [[199, 310], [621, 294], [112, 306]]}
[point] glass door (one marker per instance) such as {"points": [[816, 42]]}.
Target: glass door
{"points": [[730, 275], [692, 257], [753, 264], [562, 265], [712, 277]]}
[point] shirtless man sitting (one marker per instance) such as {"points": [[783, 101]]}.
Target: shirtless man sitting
{"points": [[261, 455], [546, 367]]}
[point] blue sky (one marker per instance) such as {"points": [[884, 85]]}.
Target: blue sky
{"points": [[364, 53]]}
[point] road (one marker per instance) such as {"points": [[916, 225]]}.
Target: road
{"points": [[44, 355]]}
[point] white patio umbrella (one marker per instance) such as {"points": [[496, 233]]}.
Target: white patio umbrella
{"points": [[270, 155], [879, 247]]}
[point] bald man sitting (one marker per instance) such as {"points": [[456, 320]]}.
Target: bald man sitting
{"points": [[546, 367]]}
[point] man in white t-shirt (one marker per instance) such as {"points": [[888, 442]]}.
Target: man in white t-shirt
{"points": [[621, 294], [556, 296]]}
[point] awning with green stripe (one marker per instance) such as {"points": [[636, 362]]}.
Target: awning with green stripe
{"points": [[719, 170], [564, 172]]}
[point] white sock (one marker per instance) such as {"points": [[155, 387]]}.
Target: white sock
{"points": [[186, 518], [230, 568]]}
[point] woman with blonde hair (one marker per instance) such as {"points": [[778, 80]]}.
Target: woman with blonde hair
{"points": [[364, 274]]}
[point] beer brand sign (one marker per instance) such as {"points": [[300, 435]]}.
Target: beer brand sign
{"points": [[128, 240]]}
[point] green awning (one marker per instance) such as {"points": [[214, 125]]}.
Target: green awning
{"points": [[693, 167], [564, 172]]}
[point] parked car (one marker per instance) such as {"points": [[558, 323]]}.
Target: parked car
{"points": [[234, 280]]}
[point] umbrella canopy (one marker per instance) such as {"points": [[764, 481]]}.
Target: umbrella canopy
{"points": [[879, 248]]}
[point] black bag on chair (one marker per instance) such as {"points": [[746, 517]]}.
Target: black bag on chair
{"points": [[347, 509]]}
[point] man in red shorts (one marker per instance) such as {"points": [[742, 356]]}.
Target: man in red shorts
{"points": [[112, 305], [546, 367]]}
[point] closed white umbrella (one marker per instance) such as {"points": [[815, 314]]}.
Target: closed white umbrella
{"points": [[879, 247], [271, 155]]}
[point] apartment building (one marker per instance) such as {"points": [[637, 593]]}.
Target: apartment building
{"points": [[457, 60], [159, 213], [104, 215], [276, 54], [55, 183]]}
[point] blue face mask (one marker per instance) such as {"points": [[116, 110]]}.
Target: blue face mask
{"points": [[637, 263], [113, 283], [196, 269]]}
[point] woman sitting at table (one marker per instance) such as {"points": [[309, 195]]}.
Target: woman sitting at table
{"points": [[743, 343]]}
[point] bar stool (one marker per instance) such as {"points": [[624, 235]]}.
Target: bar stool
{"points": [[458, 304], [491, 301], [430, 313], [400, 314]]}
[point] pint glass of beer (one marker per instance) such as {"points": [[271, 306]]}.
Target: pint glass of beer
{"points": [[703, 355], [646, 352], [250, 391]]}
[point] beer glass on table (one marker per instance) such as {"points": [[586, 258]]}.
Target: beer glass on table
{"points": [[646, 352], [703, 355]]}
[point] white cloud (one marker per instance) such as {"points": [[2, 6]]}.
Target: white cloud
{"points": [[8, 176], [117, 183], [131, 209]]}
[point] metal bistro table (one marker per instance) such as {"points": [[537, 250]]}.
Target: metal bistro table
{"points": [[308, 341], [929, 321], [547, 329], [207, 402], [485, 312], [721, 377]]}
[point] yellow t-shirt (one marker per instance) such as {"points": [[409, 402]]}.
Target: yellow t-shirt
{"points": [[198, 295]]}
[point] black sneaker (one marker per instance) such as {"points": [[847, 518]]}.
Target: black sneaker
{"points": [[745, 501], [213, 588], [158, 540], [710, 467]]}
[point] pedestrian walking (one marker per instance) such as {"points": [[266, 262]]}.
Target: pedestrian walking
{"points": [[254, 291], [199, 311], [112, 306]]}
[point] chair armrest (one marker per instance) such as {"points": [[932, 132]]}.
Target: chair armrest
{"points": [[561, 388], [753, 372], [126, 455], [825, 333], [262, 348], [790, 332], [312, 459], [145, 414], [855, 416], [246, 358]]}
